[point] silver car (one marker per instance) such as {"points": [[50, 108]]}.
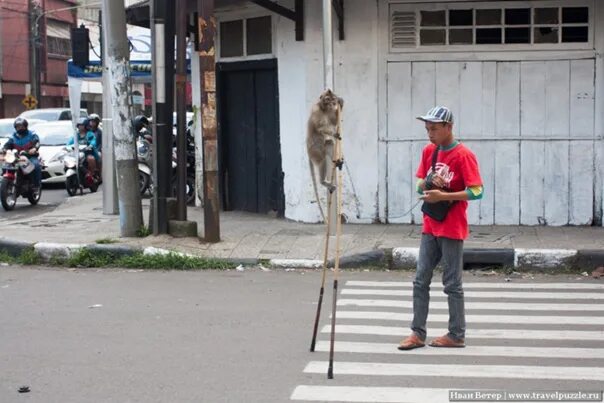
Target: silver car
{"points": [[50, 114]]}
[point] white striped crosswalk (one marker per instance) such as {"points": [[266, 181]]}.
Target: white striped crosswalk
{"points": [[492, 351], [474, 285], [485, 294], [478, 333], [545, 335], [490, 306], [476, 319]]}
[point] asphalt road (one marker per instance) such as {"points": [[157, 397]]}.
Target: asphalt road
{"points": [[138, 336], [52, 196]]}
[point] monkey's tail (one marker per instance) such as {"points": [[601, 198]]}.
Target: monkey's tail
{"points": [[314, 185]]}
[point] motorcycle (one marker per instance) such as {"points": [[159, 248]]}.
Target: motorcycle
{"points": [[190, 181], [190, 168], [77, 174], [145, 163], [17, 180], [143, 150]]}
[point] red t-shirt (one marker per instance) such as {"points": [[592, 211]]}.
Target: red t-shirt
{"points": [[459, 167]]}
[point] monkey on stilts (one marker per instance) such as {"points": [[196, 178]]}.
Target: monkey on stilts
{"points": [[321, 137]]}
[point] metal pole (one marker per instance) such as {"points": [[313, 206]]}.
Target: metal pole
{"points": [[599, 117], [196, 95], [327, 45], [329, 83], [207, 54], [162, 21], [131, 214], [35, 39], [110, 201], [181, 105]]}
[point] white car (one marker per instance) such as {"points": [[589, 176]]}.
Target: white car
{"points": [[51, 114], [53, 139]]}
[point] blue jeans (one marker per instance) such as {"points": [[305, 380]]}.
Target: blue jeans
{"points": [[37, 170], [433, 250]]}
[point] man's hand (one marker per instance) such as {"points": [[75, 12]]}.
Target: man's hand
{"points": [[438, 181], [433, 196], [32, 151]]}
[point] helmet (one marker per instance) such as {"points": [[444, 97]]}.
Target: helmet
{"points": [[139, 122], [20, 121], [95, 117], [83, 122]]}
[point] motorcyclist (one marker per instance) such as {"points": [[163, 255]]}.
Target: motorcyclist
{"points": [[26, 142], [87, 138], [95, 121]]}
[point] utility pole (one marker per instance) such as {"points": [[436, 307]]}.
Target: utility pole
{"points": [[34, 77], [126, 164], [110, 200], [162, 33], [207, 63]]}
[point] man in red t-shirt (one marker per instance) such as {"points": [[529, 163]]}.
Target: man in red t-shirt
{"points": [[446, 181]]}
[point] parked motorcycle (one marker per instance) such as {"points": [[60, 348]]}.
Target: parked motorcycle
{"points": [[190, 167], [77, 174], [143, 149], [190, 182], [17, 180], [145, 163]]}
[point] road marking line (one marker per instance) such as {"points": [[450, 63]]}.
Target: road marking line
{"points": [[457, 371], [516, 319], [369, 394], [477, 333], [484, 351], [482, 294], [468, 285], [491, 306]]}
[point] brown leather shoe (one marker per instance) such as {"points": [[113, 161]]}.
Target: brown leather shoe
{"points": [[446, 341], [411, 342]]}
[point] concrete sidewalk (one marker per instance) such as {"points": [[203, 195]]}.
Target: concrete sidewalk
{"points": [[247, 236]]}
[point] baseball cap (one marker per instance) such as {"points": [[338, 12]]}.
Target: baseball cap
{"points": [[438, 114]]}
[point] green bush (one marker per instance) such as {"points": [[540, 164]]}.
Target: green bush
{"points": [[143, 232], [171, 261], [105, 241]]}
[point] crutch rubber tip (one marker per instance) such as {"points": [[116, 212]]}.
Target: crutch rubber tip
{"points": [[330, 373]]}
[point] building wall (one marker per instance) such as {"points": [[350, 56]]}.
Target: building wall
{"points": [[15, 56], [530, 115], [534, 117], [15, 50], [301, 83]]}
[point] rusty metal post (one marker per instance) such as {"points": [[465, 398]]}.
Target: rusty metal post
{"points": [[207, 54], [181, 101]]}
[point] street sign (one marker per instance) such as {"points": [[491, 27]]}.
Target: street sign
{"points": [[30, 101]]}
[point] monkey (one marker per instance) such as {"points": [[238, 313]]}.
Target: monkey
{"points": [[321, 135]]}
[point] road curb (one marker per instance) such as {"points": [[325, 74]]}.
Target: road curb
{"points": [[544, 259], [504, 257], [14, 248], [296, 263], [589, 258], [519, 258], [115, 250], [49, 250], [400, 258]]}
